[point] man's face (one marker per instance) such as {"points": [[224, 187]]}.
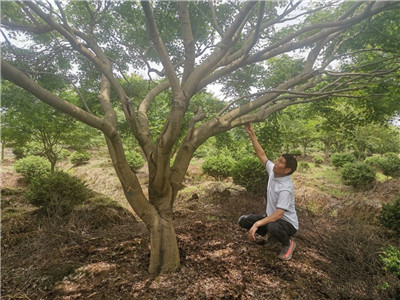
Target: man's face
{"points": [[280, 167]]}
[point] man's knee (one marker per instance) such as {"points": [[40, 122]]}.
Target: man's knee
{"points": [[246, 221], [243, 221], [273, 228]]}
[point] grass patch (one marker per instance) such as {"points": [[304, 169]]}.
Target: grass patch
{"points": [[326, 173], [382, 178], [314, 207], [334, 191], [12, 213], [327, 180], [188, 191]]}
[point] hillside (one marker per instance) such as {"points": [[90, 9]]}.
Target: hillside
{"points": [[101, 250]]}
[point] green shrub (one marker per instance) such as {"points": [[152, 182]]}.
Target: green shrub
{"points": [[391, 259], [304, 166], [340, 159], [390, 215], [32, 166], [295, 152], [390, 165], [134, 159], [373, 161], [57, 193], [318, 160], [250, 173], [79, 157], [239, 153], [358, 174], [18, 152], [359, 155], [64, 153], [204, 150], [218, 166], [34, 149]]}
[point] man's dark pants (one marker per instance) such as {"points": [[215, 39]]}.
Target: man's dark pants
{"points": [[281, 229]]}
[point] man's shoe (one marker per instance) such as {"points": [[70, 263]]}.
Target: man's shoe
{"points": [[287, 251]]}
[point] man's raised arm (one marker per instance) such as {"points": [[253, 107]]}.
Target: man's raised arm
{"points": [[256, 145]]}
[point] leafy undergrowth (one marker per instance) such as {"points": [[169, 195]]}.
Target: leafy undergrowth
{"points": [[101, 251]]}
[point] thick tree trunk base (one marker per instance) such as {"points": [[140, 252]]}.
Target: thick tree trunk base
{"points": [[164, 256]]}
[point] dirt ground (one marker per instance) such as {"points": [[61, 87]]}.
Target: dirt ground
{"points": [[101, 251]]}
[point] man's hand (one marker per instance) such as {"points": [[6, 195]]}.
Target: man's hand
{"points": [[252, 232]]}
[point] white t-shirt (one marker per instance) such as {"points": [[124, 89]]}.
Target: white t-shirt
{"points": [[280, 194]]}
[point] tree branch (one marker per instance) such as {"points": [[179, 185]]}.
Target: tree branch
{"points": [[104, 99], [214, 19], [159, 45], [188, 40], [38, 29], [223, 47], [17, 77]]}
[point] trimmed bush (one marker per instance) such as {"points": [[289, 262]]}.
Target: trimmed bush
{"points": [[304, 166], [390, 165], [32, 166], [134, 159], [249, 173], [318, 160], [358, 174], [79, 157], [58, 192], [218, 166], [340, 159], [390, 215], [373, 161]]}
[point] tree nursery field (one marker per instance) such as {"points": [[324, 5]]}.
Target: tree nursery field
{"points": [[163, 81], [101, 249]]}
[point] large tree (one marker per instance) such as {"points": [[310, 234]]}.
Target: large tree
{"points": [[92, 45]]}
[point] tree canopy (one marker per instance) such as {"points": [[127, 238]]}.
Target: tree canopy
{"points": [[267, 55]]}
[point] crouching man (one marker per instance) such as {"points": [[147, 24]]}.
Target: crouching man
{"points": [[281, 220]]}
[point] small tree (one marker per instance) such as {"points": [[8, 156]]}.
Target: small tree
{"points": [[29, 121], [376, 139]]}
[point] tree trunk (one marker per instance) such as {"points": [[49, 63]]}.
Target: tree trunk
{"points": [[3, 148], [327, 150], [164, 256], [156, 213]]}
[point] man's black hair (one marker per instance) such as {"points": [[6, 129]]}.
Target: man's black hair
{"points": [[291, 162]]}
